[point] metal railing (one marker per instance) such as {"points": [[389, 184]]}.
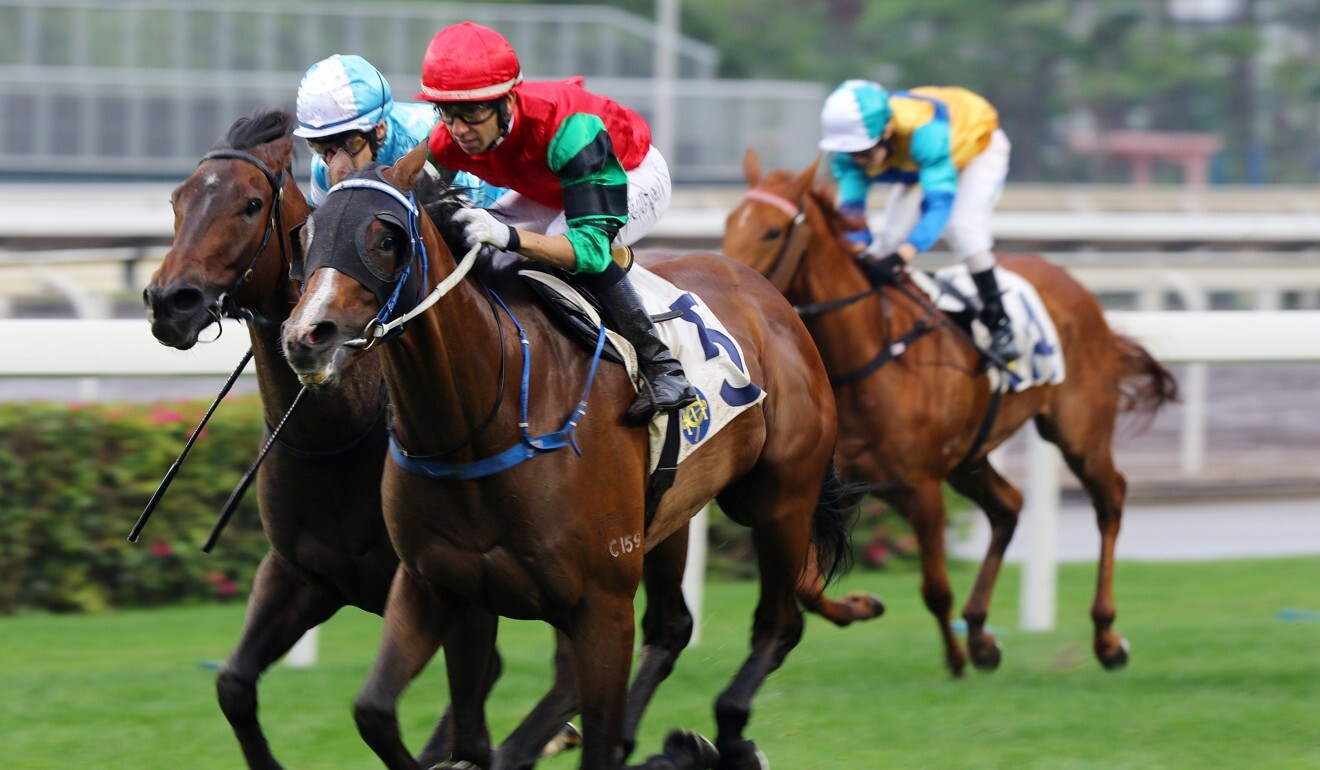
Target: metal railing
{"points": [[141, 88]]}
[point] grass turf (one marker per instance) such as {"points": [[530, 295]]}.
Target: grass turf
{"points": [[1219, 678]]}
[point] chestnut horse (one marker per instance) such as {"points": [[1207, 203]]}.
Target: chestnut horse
{"points": [[558, 537], [916, 420], [319, 488]]}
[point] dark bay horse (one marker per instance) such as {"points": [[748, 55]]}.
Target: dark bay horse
{"points": [[559, 537], [319, 488], [914, 421]]}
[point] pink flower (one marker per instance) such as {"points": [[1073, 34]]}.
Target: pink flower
{"points": [[161, 549], [165, 416]]}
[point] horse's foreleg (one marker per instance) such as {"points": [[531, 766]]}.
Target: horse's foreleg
{"points": [[547, 720], [281, 608], [666, 628], [924, 510], [415, 624], [1002, 503], [1092, 461], [852, 607], [602, 633]]}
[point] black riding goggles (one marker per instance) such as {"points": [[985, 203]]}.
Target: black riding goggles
{"points": [[352, 142], [471, 113]]}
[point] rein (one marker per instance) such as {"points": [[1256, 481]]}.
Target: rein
{"points": [[225, 304]]}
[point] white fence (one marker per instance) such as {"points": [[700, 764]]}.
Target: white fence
{"points": [[123, 348]]}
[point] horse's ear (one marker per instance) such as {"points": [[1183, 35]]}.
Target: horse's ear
{"points": [[807, 178], [340, 165], [409, 167], [752, 166]]}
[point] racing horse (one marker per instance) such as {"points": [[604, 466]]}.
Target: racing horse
{"points": [[914, 396], [319, 488], [554, 526]]}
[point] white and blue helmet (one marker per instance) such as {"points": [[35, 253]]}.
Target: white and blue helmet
{"points": [[342, 93], [854, 116]]}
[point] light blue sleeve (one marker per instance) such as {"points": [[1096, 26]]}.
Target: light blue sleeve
{"points": [[853, 182], [939, 182], [320, 185]]}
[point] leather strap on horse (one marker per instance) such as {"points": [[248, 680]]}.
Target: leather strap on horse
{"points": [[893, 350], [991, 412], [662, 478]]}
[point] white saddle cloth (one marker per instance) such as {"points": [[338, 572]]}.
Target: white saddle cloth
{"points": [[1033, 329], [712, 359]]}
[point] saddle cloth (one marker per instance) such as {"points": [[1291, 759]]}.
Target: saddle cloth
{"points": [[712, 359], [1033, 329]]}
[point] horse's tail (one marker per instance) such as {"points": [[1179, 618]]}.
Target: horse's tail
{"points": [[1146, 385], [837, 509]]}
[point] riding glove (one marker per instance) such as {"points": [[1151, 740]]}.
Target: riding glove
{"points": [[886, 269], [480, 227]]}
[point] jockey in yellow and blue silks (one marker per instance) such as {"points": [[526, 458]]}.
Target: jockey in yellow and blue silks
{"points": [[944, 152]]}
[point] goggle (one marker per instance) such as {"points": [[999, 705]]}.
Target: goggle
{"points": [[471, 113], [352, 142]]}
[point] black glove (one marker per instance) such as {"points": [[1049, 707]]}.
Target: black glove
{"points": [[886, 269]]}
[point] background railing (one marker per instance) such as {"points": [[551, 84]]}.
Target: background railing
{"points": [[141, 88]]}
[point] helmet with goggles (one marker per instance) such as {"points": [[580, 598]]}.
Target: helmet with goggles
{"points": [[467, 62], [854, 117], [339, 94]]}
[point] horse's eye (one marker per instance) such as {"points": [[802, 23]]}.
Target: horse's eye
{"points": [[773, 234], [387, 242], [253, 206]]}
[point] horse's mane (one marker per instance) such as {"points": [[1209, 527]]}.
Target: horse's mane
{"points": [[260, 127]]}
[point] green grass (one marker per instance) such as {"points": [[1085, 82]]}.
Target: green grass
{"points": [[1217, 680]]}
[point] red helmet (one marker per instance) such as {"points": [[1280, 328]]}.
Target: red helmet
{"points": [[467, 62]]}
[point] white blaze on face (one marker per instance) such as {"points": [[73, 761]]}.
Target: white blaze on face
{"points": [[315, 301]]}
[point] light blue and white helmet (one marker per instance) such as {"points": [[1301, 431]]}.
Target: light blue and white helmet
{"points": [[854, 116], [342, 93]]}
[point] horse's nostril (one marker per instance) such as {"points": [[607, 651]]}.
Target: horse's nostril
{"points": [[186, 300], [322, 333]]}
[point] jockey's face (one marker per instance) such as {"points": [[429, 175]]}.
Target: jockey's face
{"points": [[872, 160], [474, 126]]}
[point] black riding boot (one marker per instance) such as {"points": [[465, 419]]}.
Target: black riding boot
{"points": [[664, 386], [993, 316]]}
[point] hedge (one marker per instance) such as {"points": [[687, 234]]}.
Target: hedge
{"points": [[76, 477]]}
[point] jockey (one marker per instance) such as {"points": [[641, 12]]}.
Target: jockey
{"points": [[582, 174], [344, 102], [943, 150]]}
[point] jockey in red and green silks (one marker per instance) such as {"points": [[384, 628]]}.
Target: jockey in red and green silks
{"points": [[943, 151], [582, 176]]}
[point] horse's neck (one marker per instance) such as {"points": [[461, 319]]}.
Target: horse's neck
{"points": [[444, 375]]}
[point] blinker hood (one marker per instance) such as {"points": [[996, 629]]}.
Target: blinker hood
{"points": [[335, 236]]}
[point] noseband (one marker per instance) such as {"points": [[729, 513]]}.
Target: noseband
{"points": [[224, 304]]}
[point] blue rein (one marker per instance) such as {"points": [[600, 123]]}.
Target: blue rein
{"points": [[528, 446]]}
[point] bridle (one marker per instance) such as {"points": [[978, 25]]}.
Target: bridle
{"points": [[794, 245], [225, 306]]}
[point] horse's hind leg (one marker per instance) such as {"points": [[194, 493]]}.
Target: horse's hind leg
{"points": [[923, 508], [1002, 503], [1086, 448], [853, 607], [281, 608], [782, 546], [666, 628], [415, 625], [524, 745]]}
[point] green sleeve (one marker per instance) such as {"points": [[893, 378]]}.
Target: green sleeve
{"points": [[595, 188]]}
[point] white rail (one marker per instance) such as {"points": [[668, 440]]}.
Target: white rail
{"points": [[120, 348]]}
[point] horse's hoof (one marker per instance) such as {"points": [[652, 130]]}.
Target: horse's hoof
{"points": [[986, 657], [1119, 659], [865, 606], [568, 738], [690, 750], [461, 764], [745, 756]]}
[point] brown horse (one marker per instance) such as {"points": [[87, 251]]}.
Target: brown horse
{"points": [[319, 488], [559, 537], [916, 420]]}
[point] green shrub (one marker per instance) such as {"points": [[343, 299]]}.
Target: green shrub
{"points": [[76, 477]]}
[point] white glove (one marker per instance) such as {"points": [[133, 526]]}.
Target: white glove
{"points": [[480, 227]]}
